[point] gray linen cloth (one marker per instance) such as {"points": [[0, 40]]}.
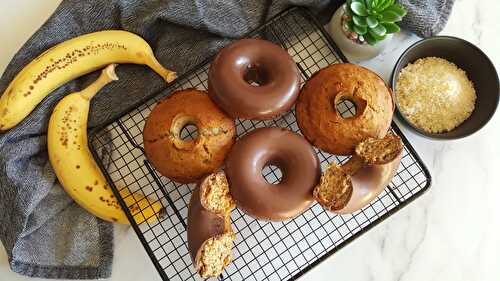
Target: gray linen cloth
{"points": [[44, 232]]}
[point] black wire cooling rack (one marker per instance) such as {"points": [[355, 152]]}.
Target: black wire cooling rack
{"points": [[263, 250]]}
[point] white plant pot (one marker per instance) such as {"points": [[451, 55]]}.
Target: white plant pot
{"points": [[352, 49]]}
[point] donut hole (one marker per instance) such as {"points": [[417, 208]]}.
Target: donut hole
{"points": [[346, 108], [256, 76], [188, 132], [272, 174]]}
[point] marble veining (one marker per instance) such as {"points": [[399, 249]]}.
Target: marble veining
{"points": [[451, 233]]}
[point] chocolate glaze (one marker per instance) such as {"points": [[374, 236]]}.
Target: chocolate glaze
{"points": [[297, 161], [253, 60], [202, 225], [368, 182]]}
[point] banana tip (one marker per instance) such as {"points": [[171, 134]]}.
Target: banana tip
{"points": [[170, 76], [110, 71]]}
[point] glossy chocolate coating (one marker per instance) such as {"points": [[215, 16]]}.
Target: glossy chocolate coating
{"points": [[202, 225], [297, 161], [253, 60], [368, 182]]}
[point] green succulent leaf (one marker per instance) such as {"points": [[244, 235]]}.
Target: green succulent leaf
{"points": [[390, 16], [359, 9], [361, 30], [391, 27], [379, 30], [385, 5], [370, 4], [360, 1], [371, 21], [376, 36], [370, 40], [359, 21], [380, 4], [348, 6], [350, 26], [398, 9]]}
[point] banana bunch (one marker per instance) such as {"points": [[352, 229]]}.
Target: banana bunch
{"points": [[67, 61], [77, 170], [68, 150]]}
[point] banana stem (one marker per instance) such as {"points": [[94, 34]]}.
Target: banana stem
{"points": [[166, 74], [108, 75]]}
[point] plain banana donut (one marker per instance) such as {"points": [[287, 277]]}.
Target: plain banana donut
{"points": [[181, 160]]}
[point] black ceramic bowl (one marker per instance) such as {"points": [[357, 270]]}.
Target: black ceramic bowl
{"points": [[474, 62]]}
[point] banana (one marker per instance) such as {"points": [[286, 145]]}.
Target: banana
{"points": [[77, 170], [67, 61]]}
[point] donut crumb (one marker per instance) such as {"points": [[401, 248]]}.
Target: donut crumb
{"points": [[215, 195], [379, 151], [215, 255], [334, 189]]}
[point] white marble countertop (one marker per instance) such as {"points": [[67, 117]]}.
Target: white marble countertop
{"points": [[451, 233]]}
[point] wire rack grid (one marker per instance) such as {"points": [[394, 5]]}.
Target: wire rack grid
{"points": [[262, 250]]}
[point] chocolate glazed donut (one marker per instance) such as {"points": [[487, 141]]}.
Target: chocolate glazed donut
{"points": [[297, 161], [253, 79]]}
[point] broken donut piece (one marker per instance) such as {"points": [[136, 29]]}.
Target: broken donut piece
{"points": [[210, 236], [353, 185]]}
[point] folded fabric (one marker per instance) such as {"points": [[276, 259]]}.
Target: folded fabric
{"points": [[45, 233]]}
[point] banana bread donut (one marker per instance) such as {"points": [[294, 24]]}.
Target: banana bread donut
{"points": [[253, 79], [292, 154], [322, 124], [347, 188], [187, 160], [209, 232]]}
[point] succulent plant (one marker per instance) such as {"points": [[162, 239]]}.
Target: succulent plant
{"points": [[374, 19]]}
